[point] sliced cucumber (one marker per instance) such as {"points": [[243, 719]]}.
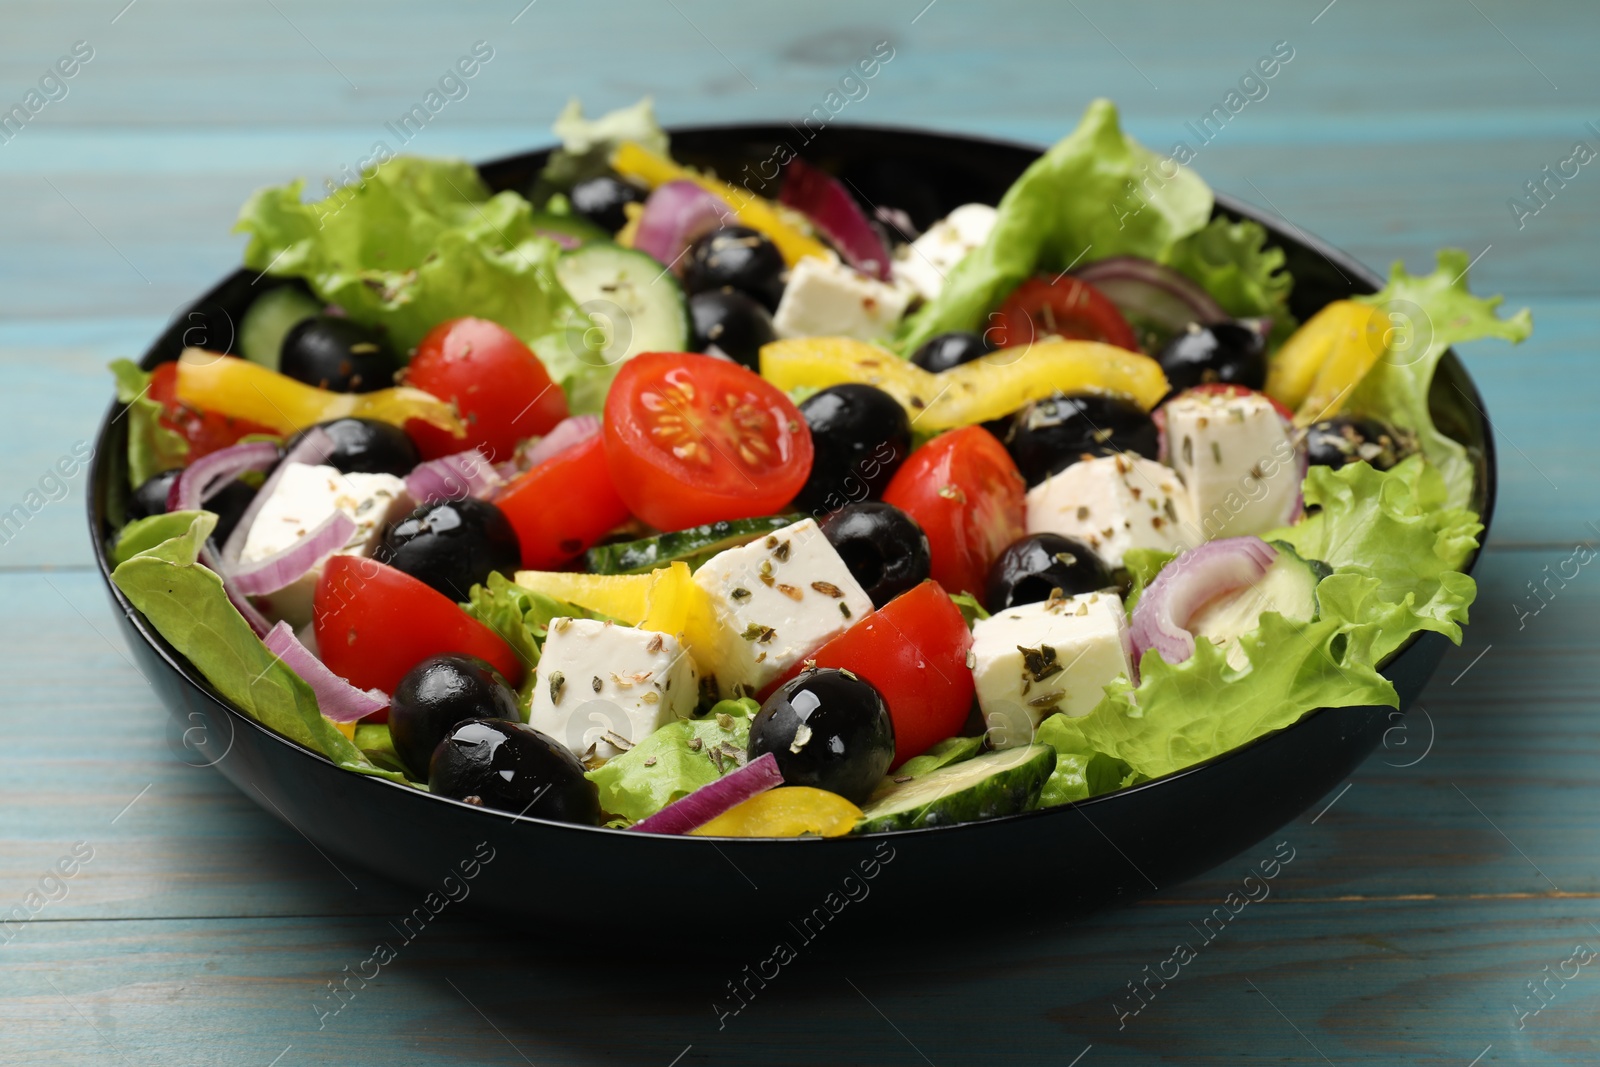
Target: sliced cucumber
{"points": [[996, 783], [579, 230], [274, 313], [635, 303], [692, 546], [1289, 588]]}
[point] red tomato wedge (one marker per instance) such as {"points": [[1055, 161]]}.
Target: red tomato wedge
{"points": [[964, 491], [497, 384], [375, 623], [914, 651], [563, 506], [206, 431], [1062, 306], [694, 439]]}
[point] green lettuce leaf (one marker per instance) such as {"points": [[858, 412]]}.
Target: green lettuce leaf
{"points": [[1231, 261], [1397, 528], [522, 619], [1430, 312], [1081, 771], [141, 535], [152, 448], [420, 241], [377, 744], [186, 604], [587, 144], [676, 760], [1143, 564], [1097, 193]]}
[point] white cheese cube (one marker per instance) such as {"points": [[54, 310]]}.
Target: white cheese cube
{"points": [[303, 498], [1032, 661], [926, 262], [826, 298], [776, 600], [1236, 460], [599, 684], [1112, 504]]}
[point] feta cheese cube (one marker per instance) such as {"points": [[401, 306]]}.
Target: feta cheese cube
{"points": [[826, 298], [1032, 661], [775, 601], [926, 262], [305, 496], [1236, 459], [601, 688], [1112, 504]]}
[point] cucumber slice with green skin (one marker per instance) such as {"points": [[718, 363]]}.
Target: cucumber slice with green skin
{"points": [[568, 230], [692, 546], [1289, 587], [984, 787], [274, 313], [636, 303]]}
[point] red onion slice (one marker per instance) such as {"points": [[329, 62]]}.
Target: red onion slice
{"points": [[210, 474], [313, 449], [454, 477], [1150, 291], [711, 800], [287, 565], [568, 433], [824, 200], [674, 215], [1189, 583], [337, 699]]}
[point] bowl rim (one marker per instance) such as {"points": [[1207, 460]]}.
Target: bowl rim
{"points": [[1280, 229]]}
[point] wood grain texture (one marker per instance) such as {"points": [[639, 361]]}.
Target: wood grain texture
{"points": [[1455, 868]]}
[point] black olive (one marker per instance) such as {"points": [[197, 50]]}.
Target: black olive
{"points": [[365, 446], [228, 503], [601, 200], [885, 549], [1030, 569], [436, 695], [1349, 439], [737, 257], [452, 545], [335, 353], [1050, 435], [1216, 352], [827, 729], [513, 767], [860, 435], [950, 350], [731, 322]]}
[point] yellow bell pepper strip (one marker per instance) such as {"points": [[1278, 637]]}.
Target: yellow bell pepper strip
{"points": [[665, 599], [984, 389], [633, 160], [245, 390], [1323, 361], [788, 811]]}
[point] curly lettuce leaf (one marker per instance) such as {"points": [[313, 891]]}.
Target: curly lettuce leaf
{"points": [[1080, 770], [186, 604], [1398, 528], [1232, 262], [1097, 193], [152, 447], [587, 144], [674, 761], [420, 241], [1430, 312]]}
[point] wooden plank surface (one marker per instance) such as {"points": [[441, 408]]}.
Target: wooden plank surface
{"points": [[1453, 870]]}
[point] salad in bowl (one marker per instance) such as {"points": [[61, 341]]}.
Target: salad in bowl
{"points": [[642, 499]]}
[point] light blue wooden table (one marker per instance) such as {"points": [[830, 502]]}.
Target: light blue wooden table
{"points": [[1431, 904]]}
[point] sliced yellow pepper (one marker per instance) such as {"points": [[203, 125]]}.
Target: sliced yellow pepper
{"points": [[984, 389], [665, 599], [787, 811], [346, 728], [245, 390], [633, 160], [1324, 359]]}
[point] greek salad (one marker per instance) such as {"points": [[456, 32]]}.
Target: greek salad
{"points": [[641, 499]]}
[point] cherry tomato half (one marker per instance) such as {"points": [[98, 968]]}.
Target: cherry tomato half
{"points": [[1062, 306], [206, 431], [375, 623], [963, 489], [694, 439], [563, 506], [495, 381], [914, 651]]}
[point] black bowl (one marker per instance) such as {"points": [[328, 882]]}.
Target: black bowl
{"points": [[1064, 860]]}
